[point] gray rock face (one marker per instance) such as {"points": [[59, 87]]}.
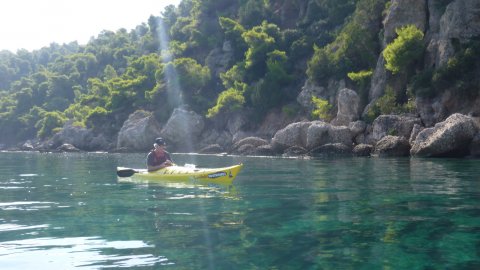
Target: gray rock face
{"points": [[320, 133], [274, 121], [328, 93], [392, 146], [475, 146], [252, 143], [461, 21], [66, 147], [309, 89], [398, 125], [219, 59], [348, 103], [294, 134], [211, 149], [331, 149], [310, 135], [402, 13], [183, 129], [236, 122], [358, 130], [295, 151], [451, 137], [362, 150], [27, 146], [379, 80], [138, 132], [416, 129], [79, 137], [213, 136]]}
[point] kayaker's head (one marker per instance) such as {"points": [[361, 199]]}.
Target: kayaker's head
{"points": [[159, 143]]}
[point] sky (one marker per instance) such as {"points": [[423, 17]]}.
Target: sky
{"points": [[33, 24]]}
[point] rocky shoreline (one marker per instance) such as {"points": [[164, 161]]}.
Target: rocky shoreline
{"points": [[186, 131], [444, 125]]}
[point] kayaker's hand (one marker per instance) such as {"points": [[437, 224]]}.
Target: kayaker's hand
{"points": [[168, 163]]}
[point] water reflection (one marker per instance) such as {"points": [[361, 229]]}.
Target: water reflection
{"points": [[283, 214]]}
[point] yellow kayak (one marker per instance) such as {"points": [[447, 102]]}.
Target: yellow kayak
{"points": [[175, 173]]}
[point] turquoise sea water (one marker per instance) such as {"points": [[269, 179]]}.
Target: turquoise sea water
{"points": [[69, 211]]}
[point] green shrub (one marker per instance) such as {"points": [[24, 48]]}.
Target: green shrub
{"points": [[322, 108], [354, 48], [50, 123], [388, 104], [404, 50], [291, 109], [228, 101], [321, 66]]}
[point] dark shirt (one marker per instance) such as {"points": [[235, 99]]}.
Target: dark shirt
{"points": [[154, 160]]}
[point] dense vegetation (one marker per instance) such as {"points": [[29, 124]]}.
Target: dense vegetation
{"points": [[266, 49]]}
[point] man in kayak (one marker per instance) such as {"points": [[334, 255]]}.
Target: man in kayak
{"points": [[158, 158]]}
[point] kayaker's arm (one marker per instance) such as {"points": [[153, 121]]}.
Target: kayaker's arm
{"points": [[158, 167]]}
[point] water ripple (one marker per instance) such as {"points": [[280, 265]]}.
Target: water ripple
{"points": [[76, 252], [26, 205]]}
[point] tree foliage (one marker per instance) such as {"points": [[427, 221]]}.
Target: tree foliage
{"points": [[404, 50], [214, 57], [322, 108]]}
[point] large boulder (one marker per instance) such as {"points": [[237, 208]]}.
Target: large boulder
{"points": [[66, 147], [310, 135], [331, 149], [397, 125], [183, 129], [362, 150], [358, 129], [392, 146], [79, 137], [212, 136], [320, 133], [451, 137], [255, 141], [248, 145], [348, 103], [138, 132], [294, 134]]}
